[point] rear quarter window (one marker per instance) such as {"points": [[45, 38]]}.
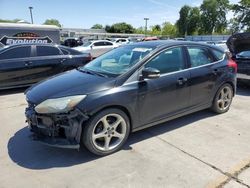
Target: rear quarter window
{"points": [[65, 52], [218, 55]]}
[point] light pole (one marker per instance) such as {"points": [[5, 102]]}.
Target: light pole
{"points": [[146, 25], [31, 16]]}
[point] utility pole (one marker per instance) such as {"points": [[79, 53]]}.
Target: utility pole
{"points": [[146, 25], [31, 15]]}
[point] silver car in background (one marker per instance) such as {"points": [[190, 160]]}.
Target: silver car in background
{"points": [[96, 47]]}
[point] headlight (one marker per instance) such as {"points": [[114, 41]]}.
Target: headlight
{"points": [[59, 105]]}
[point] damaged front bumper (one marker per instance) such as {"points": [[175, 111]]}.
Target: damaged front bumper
{"points": [[58, 130]]}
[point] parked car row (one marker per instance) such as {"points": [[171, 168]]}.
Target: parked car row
{"points": [[25, 64], [23, 60]]}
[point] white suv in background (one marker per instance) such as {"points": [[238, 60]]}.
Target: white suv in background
{"points": [[96, 47]]}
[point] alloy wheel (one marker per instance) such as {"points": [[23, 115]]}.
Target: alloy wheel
{"points": [[109, 132], [224, 98]]}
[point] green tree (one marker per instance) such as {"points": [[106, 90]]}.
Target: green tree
{"points": [[193, 21], [108, 28], [120, 28], [52, 22], [213, 16], [242, 14], [169, 29], [140, 30], [155, 30], [182, 23], [189, 20], [97, 26], [233, 26]]}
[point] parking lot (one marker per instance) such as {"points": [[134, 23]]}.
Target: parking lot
{"points": [[198, 150]]}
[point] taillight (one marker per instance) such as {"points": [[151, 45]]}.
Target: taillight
{"points": [[232, 65]]}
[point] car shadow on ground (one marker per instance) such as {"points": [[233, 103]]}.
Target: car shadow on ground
{"points": [[33, 155], [13, 91], [243, 89]]}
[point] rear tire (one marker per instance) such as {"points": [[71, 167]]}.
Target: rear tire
{"points": [[223, 99], [106, 132]]}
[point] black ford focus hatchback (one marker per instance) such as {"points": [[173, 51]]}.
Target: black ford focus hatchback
{"points": [[128, 89]]}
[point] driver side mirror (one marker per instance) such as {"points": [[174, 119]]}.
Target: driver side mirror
{"points": [[150, 73]]}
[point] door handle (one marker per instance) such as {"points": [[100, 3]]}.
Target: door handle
{"points": [[62, 60], [182, 81], [28, 63]]}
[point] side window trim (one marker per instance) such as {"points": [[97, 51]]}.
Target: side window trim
{"points": [[134, 78]]}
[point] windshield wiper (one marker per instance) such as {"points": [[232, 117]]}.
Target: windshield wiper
{"points": [[92, 72]]}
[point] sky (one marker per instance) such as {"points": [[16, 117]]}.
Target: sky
{"points": [[86, 13]]}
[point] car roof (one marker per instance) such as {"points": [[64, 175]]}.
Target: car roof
{"points": [[166, 43], [28, 44], [101, 41]]}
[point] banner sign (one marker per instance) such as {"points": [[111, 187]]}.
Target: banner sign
{"points": [[20, 38]]}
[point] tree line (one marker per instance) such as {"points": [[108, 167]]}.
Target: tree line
{"points": [[209, 18]]}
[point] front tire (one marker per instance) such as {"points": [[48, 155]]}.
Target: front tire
{"points": [[223, 99], [106, 132]]}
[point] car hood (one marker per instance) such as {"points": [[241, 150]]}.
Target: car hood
{"points": [[238, 43], [68, 84]]}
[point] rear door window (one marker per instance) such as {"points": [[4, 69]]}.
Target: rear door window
{"points": [[199, 56], [17, 52], [47, 51]]}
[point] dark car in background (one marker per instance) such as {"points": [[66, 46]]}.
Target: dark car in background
{"points": [[239, 46], [25, 64], [72, 42], [127, 89]]}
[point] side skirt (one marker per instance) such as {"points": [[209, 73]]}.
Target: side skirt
{"points": [[174, 116]]}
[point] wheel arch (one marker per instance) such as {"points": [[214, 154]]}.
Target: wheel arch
{"points": [[231, 84], [120, 107]]}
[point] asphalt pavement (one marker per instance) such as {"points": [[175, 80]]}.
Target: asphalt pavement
{"points": [[199, 150]]}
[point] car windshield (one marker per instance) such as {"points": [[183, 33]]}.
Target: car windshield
{"points": [[117, 61], [85, 44], [244, 54]]}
